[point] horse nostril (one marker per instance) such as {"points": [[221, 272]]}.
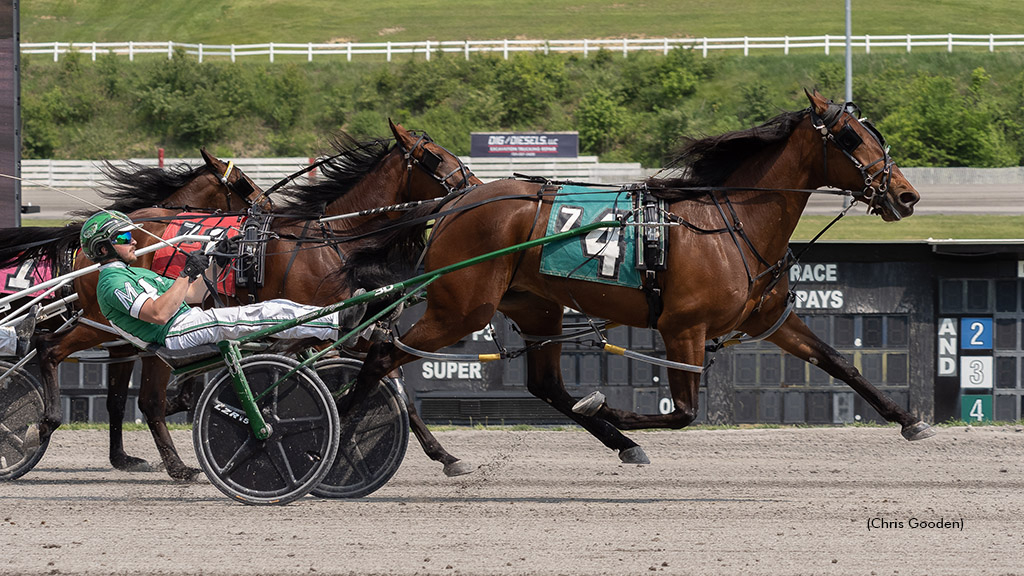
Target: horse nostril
{"points": [[909, 198]]}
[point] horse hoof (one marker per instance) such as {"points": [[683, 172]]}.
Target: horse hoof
{"points": [[590, 404], [185, 476], [634, 455], [918, 431], [457, 468]]}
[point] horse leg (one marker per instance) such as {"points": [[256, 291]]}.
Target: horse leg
{"points": [[185, 398], [540, 317], [118, 379], [380, 360], [52, 349], [153, 403], [796, 338], [686, 346]]}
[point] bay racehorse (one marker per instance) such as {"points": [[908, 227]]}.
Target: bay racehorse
{"points": [[737, 199], [216, 185], [302, 253]]}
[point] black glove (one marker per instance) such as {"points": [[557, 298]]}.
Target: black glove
{"points": [[195, 264]]}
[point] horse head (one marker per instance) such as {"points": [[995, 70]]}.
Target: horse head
{"points": [[857, 158], [236, 182], [435, 161]]}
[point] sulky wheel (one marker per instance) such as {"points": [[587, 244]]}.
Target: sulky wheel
{"points": [[21, 410], [374, 435], [302, 444]]}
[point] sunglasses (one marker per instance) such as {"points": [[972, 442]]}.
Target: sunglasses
{"points": [[122, 238]]}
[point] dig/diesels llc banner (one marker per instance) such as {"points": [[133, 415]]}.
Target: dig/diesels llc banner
{"points": [[524, 144]]}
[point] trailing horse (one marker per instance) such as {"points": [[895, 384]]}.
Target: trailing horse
{"points": [[302, 252], [735, 200]]}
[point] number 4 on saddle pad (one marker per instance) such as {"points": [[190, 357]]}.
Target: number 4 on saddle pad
{"points": [[606, 255]]}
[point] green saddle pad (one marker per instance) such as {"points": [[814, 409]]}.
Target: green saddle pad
{"points": [[606, 255]]}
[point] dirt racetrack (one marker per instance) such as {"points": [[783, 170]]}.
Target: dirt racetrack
{"points": [[789, 501]]}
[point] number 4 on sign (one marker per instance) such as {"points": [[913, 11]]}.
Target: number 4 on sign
{"points": [[976, 408]]}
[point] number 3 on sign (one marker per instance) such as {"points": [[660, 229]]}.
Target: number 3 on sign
{"points": [[975, 372]]}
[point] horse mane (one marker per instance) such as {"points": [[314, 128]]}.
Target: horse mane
{"points": [[31, 242], [387, 250], [709, 161], [136, 186], [350, 162]]}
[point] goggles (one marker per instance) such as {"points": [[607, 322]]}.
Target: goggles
{"points": [[122, 238]]}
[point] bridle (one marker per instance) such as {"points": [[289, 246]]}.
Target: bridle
{"points": [[240, 187], [847, 140], [429, 162]]}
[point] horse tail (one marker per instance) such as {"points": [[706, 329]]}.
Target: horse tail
{"points": [[17, 245], [388, 250]]}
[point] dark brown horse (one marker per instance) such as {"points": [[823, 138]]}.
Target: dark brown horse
{"points": [[215, 185], [750, 185], [301, 255]]}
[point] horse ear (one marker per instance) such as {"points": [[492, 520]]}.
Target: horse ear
{"points": [[819, 102], [210, 159], [401, 134]]}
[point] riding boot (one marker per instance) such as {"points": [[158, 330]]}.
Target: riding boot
{"points": [[25, 330], [349, 318]]}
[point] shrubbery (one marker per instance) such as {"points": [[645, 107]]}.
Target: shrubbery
{"points": [[935, 109]]}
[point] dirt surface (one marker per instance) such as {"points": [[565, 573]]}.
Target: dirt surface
{"points": [[790, 501]]}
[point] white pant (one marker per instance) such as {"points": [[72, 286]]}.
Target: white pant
{"points": [[197, 326], [8, 341]]}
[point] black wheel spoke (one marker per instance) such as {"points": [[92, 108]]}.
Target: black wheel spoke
{"points": [[246, 451]]}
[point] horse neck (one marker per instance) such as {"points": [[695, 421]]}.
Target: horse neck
{"points": [[204, 191], [388, 184], [783, 172]]}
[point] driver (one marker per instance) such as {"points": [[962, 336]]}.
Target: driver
{"points": [[147, 308]]}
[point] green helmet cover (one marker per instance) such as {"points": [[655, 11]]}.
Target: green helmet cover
{"points": [[98, 230]]}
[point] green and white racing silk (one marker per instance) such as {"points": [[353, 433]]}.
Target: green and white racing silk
{"points": [[121, 292]]}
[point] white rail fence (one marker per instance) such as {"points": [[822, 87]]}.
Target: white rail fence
{"points": [[506, 47], [72, 174], [78, 174]]}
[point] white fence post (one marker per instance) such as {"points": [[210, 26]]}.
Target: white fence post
{"points": [[625, 47], [867, 44], [991, 42], [200, 52], [949, 43], [908, 43], [705, 46], [271, 52], [467, 49], [170, 50], [232, 52], [349, 51], [786, 49], [506, 49], [826, 44], [428, 50], [585, 48], [309, 52], [93, 51], [389, 51], [56, 51]]}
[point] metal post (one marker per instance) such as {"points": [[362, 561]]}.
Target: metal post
{"points": [[849, 54]]}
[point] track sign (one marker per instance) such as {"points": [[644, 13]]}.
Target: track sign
{"points": [[976, 333], [975, 372], [976, 407]]}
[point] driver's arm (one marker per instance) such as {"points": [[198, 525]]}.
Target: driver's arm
{"points": [[161, 309]]}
